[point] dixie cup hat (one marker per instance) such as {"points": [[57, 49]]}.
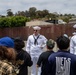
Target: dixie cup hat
{"points": [[36, 28], [74, 26]]}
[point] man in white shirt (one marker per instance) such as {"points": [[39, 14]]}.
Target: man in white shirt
{"points": [[73, 42], [35, 44]]}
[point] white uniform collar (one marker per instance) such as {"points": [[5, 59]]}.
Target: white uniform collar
{"points": [[36, 35]]}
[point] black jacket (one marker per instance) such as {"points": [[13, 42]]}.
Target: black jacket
{"points": [[43, 62], [25, 58]]}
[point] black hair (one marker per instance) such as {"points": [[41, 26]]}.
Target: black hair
{"points": [[63, 42], [19, 43]]}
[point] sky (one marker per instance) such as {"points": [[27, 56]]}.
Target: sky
{"points": [[59, 6]]}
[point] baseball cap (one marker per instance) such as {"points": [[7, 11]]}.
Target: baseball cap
{"points": [[7, 41], [50, 43]]}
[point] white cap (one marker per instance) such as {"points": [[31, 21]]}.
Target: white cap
{"points": [[74, 26], [65, 35], [36, 28], [74, 33]]}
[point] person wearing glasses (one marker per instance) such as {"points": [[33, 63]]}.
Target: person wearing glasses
{"points": [[35, 44]]}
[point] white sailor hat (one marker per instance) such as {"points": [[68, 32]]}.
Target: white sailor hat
{"points": [[65, 35], [36, 28], [74, 33], [74, 26]]}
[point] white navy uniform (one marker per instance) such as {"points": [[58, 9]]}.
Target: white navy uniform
{"points": [[35, 49], [73, 45], [73, 42]]}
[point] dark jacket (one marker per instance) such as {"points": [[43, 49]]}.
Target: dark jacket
{"points": [[43, 62], [25, 60], [62, 63]]}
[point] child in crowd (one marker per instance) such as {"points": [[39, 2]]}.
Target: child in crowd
{"points": [[43, 58]]}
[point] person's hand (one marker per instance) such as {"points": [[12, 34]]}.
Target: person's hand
{"points": [[37, 66], [41, 47]]}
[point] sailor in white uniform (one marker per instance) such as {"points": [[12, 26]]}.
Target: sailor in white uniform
{"points": [[35, 44], [73, 42]]}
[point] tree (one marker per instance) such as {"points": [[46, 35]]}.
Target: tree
{"points": [[32, 12], [39, 14], [20, 13], [45, 13], [27, 13], [9, 12]]}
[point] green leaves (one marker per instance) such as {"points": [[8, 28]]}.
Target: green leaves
{"points": [[14, 21]]}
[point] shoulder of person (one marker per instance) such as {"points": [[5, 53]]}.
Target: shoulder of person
{"points": [[41, 36], [10, 67], [74, 36], [29, 37], [25, 53], [53, 55]]}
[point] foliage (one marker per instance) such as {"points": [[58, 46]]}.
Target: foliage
{"points": [[20, 17], [14, 21], [32, 12], [20, 13], [9, 12]]}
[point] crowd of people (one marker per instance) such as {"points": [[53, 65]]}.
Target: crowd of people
{"points": [[14, 60]]}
